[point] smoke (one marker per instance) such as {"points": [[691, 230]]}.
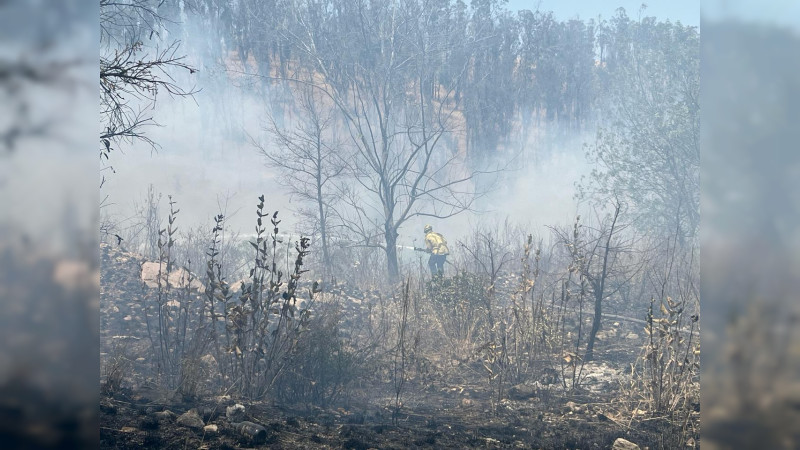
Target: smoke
{"points": [[204, 157], [542, 192], [537, 189]]}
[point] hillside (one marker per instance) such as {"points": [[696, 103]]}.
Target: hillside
{"points": [[444, 401]]}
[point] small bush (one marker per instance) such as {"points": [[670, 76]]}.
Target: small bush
{"points": [[460, 308], [116, 366], [322, 367]]}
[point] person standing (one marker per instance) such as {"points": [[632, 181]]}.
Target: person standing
{"points": [[436, 245]]}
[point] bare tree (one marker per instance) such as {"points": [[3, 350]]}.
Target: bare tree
{"points": [[309, 159], [375, 70], [604, 266], [132, 73], [607, 261]]}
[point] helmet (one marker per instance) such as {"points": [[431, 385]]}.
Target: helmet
{"points": [[428, 228]]}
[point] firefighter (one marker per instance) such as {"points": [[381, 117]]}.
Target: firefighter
{"points": [[437, 247]]}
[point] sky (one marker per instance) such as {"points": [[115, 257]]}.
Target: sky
{"points": [[771, 12], [687, 11]]}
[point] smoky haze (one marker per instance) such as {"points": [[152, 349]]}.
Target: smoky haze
{"points": [[206, 160], [555, 158]]}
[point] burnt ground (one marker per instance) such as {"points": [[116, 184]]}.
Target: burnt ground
{"points": [[131, 422], [434, 415], [449, 405]]}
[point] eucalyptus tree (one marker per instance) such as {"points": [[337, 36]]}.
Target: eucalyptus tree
{"points": [[647, 151], [489, 97]]}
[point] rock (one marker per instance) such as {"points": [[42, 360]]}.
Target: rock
{"points": [[624, 444], [521, 392], [165, 415], [211, 430], [632, 336], [191, 419], [128, 429], [235, 413], [222, 399], [572, 407], [179, 278], [209, 413]]}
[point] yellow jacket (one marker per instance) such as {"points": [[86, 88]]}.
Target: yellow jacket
{"points": [[436, 243]]}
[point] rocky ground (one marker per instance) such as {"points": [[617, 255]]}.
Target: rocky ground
{"points": [[453, 409], [131, 421]]}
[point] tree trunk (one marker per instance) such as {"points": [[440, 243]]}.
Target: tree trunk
{"points": [[391, 253], [323, 226], [599, 289], [323, 232], [598, 315]]}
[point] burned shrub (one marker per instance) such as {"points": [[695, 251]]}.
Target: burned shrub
{"points": [[322, 365], [460, 306], [116, 365]]}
